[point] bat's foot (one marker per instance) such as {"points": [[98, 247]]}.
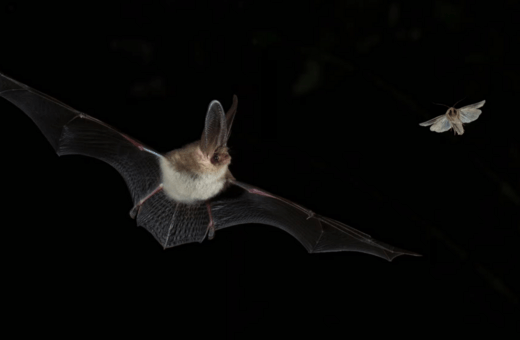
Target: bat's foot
{"points": [[211, 232], [135, 211]]}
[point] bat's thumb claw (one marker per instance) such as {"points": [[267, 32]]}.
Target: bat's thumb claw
{"points": [[311, 214]]}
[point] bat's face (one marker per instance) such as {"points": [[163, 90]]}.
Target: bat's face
{"points": [[192, 159], [220, 157], [214, 162]]}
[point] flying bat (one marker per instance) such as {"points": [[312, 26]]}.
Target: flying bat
{"points": [[455, 118], [187, 194]]}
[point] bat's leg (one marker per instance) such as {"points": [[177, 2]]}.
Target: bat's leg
{"points": [[211, 225], [137, 207]]}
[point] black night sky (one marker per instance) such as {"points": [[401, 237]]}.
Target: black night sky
{"points": [[331, 94]]}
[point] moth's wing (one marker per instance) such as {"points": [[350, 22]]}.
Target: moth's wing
{"points": [[72, 132], [244, 203], [432, 121], [471, 112], [474, 106], [441, 125]]}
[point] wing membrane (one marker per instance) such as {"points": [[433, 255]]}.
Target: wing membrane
{"points": [[443, 124], [471, 112], [316, 233], [432, 121], [72, 132]]}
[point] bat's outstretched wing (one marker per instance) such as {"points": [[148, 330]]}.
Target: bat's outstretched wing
{"points": [[245, 203], [471, 112], [72, 132]]}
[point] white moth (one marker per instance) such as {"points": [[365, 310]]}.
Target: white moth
{"points": [[454, 118]]}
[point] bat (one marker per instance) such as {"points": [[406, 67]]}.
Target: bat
{"points": [[455, 118], [189, 193]]}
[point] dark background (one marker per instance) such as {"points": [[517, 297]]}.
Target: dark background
{"points": [[330, 98]]}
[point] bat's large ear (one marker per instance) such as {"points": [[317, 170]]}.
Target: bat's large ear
{"points": [[230, 115], [215, 129]]}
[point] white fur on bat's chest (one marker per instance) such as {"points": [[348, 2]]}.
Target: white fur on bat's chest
{"points": [[183, 187]]}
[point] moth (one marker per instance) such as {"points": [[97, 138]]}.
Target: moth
{"points": [[454, 118], [187, 194]]}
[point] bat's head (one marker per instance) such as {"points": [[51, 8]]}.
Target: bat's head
{"points": [[209, 155], [213, 143]]}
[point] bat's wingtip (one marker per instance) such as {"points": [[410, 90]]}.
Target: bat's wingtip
{"points": [[399, 253], [406, 252]]}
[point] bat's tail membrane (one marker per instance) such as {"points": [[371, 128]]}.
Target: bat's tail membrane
{"points": [[171, 223]]}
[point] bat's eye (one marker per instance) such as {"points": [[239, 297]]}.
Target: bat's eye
{"points": [[215, 158]]}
